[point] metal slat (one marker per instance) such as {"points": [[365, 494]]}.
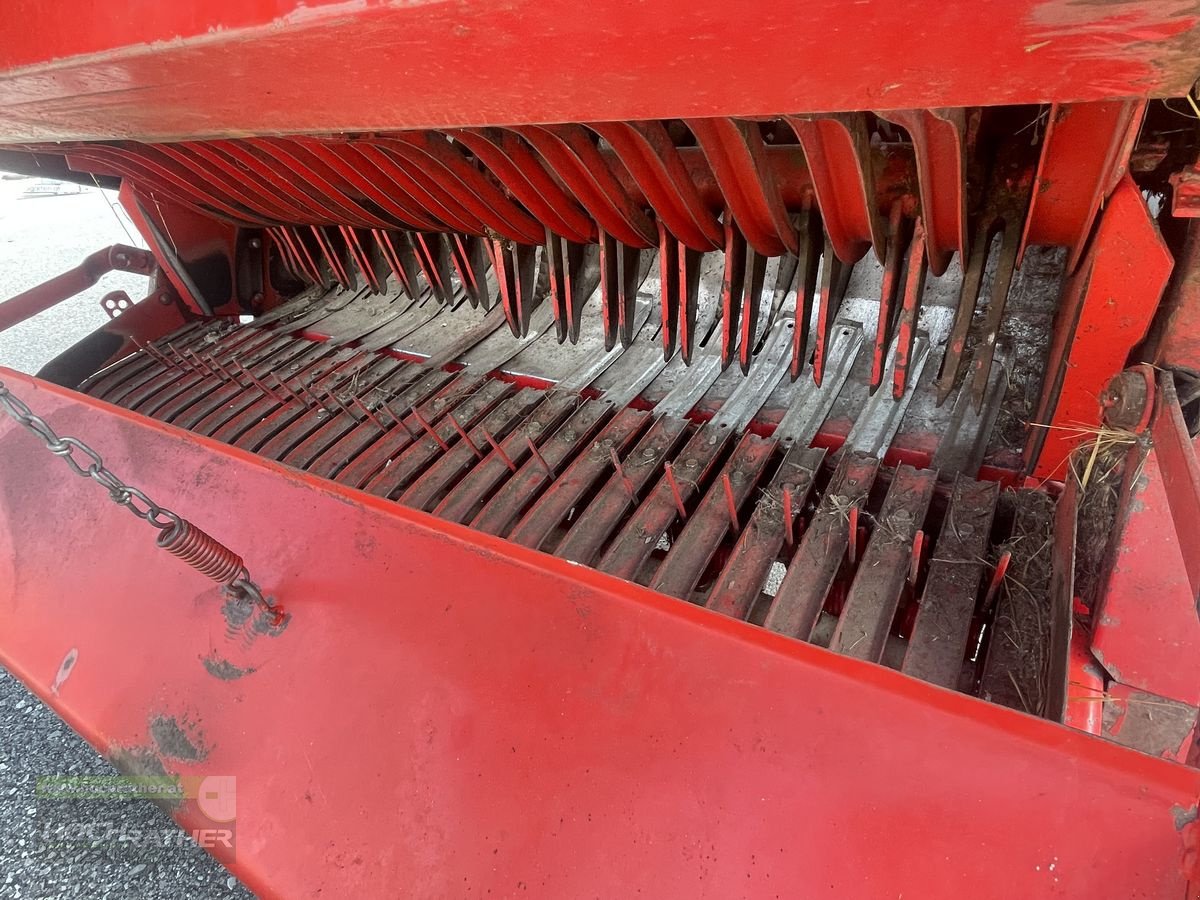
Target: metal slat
{"points": [[810, 405], [521, 490], [210, 412], [549, 511], [619, 494], [113, 376], [324, 454], [863, 625], [363, 410], [252, 430], [676, 486], [183, 374], [412, 408], [467, 497], [880, 419], [191, 409], [741, 580], [451, 465], [394, 473], [713, 519], [964, 443], [802, 593], [938, 643], [325, 409], [364, 316], [416, 316]]}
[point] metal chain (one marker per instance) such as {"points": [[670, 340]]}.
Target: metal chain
{"points": [[87, 463]]}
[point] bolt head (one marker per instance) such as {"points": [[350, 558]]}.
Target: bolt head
{"points": [[1126, 400]]}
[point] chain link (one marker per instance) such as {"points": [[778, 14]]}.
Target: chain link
{"points": [[87, 463]]}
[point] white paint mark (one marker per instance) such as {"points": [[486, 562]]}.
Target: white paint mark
{"points": [[66, 667]]}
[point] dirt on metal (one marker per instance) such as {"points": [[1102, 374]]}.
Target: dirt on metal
{"points": [[1098, 502], [178, 738], [1016, 667], [223, 668]]}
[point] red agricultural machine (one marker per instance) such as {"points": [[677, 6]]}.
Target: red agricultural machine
{"points": [[652, 449]]}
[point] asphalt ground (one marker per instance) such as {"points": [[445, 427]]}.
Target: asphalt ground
{"points": [[81, 847]]}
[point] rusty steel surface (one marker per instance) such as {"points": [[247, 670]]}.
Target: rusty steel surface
{"points": [[549, 681]]}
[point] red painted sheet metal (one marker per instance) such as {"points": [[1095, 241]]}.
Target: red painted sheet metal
{"points": [[1073, 179], [1180, 474], [1145, 632], [448, 714], [1106, 309], [173, 70], [1179, 342]]}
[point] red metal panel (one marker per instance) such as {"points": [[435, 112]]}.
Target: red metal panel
{"points": [[477, 716], [185, 69], [1180, 474], [1145, 631], [838, 151], [1178, 344], [1106, 308], [1073, 180], [939, 138]]}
